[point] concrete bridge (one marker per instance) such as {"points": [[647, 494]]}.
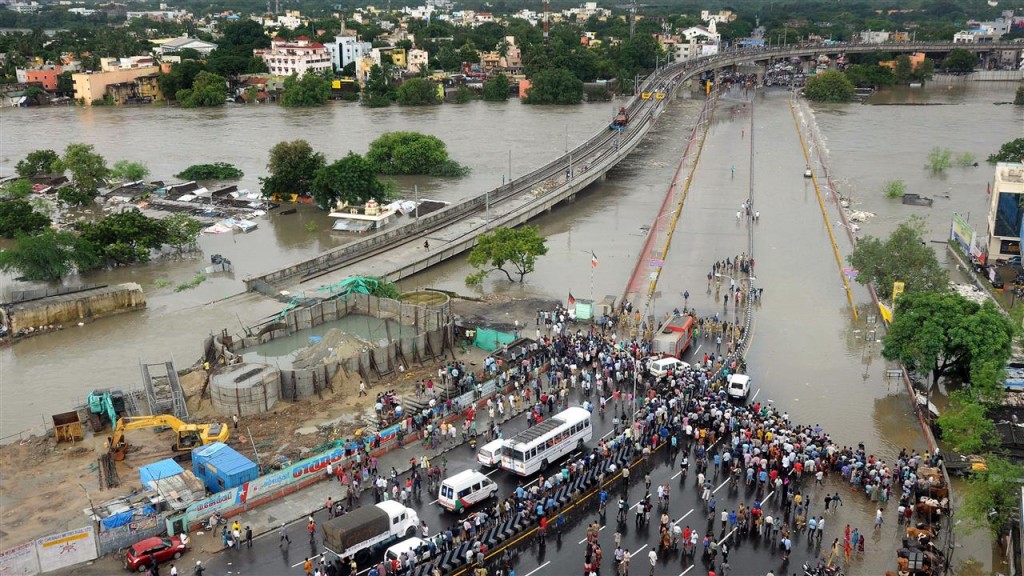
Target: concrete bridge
{"points": [[399, 252]]}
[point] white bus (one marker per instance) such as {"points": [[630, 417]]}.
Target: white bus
{"points": [[534, 448]]}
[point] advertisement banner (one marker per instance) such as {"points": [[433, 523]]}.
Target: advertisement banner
{"points": [[219, 502], [66, 549], [962, 232], [20, 560]]}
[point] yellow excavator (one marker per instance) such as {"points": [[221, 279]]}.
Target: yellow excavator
{"points": [[188, 436]]}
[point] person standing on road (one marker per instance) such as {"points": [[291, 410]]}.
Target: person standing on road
{"points": [[248, 537], [283, 533], [653, 557]]}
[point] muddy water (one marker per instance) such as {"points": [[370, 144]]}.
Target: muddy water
{"points": [[806, 354], [281, 351]]}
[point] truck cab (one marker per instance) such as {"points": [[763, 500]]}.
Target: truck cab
{"points": [[367, 530]]}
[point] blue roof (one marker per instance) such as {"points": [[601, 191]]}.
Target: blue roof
{"points": [[159, 470], [222, 457]]}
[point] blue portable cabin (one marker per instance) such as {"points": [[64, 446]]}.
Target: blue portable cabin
{"points": [[221, 467]]}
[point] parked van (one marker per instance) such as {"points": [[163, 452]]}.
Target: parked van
{"points": [[665, 366], [464, 490], [400, 550], [490, 454]]}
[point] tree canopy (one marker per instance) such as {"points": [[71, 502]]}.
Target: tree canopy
{"points": [[1012, 151], [17, 217], [215, 171], [352, 179], [554, 86], [965, 428], [309, 90], [208, 90], [993, 494], [869, 75], [412, 153], [125, 237], [944, 333], [960, 61], [128, 171], [292, 167], [903, 257], [829, 86], [512, 251], [377, 92], [48, 256], [37, 163], [88, 169], [181, 231], [496, 89], [418, 92]]}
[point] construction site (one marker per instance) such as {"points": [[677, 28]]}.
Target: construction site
{"points": [[115, 455]]}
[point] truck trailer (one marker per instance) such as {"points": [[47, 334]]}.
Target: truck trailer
{"points": [[369, 529]]}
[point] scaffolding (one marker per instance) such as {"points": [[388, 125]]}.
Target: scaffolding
{"points": [[163, 389]]}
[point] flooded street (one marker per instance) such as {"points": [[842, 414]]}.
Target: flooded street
{"points": [[806, 354]]}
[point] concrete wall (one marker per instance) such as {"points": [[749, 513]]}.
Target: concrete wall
{"points": [[139, 528], [78, 306]]}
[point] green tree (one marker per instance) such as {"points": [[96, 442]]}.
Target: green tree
{"points": [[128, 171], [903, 257], [15, 189], [88, 169], [215, 171], [829, 86], [939, 159], [965, 428], [1012, 151], [1018, 98], [960, 61], [992, 495], [554, 86], [124, 238], [944, 333], [418, 92], [181, 231], [496, 89], [310, 90], [923, 71], [894, 189], [48, 256], [904, 69], [352, 179], [412, 153], [292, 167], [377, 93], [207, 90], [17, 217], [37, 163], [65, 85], [508, 250], [869, 75], [462, 95]]}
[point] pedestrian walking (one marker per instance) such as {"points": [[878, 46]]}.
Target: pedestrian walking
{"points": [[652, 556], [283, 533], [878, 519], [248, 537]]}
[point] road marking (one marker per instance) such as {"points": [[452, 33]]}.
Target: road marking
{"points": [[538, 568], [584, 540], [698, 349], [682, 517], [492, 472], [726, 536], [432, 503], [687, 570], [303, 562], [676, 476], [633, 554], [767, 497], [720, 487], [756, 392], [637, 504]]}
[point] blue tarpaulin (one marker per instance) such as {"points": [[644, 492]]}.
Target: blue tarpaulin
{"points": [[159, 470], [119, 519]]}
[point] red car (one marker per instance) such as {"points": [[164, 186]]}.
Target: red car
{"points": [[140, 556]]}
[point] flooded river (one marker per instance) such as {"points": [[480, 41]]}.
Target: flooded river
{"points": [[806, 354]]}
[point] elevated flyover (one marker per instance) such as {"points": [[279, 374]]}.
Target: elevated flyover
{"points": [[400, 252]]}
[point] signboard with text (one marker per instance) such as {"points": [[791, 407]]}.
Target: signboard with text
{"points": [[20, 560], [66, 549]]}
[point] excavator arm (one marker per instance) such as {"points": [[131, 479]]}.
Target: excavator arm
{"points": [[188, 436]]}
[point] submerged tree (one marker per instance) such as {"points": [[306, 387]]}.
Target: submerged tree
{"points": [[512, 251]]}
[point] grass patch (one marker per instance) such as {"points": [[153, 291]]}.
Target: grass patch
{"points": [[193, 283]]}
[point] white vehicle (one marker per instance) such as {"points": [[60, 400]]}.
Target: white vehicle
{"points": [[664, 366], [367, 529], [739, 386], [399, 551], [490, 454], [534, 448], [465, 489]]}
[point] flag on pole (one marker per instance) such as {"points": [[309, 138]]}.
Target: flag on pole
{"points": [[593, 260], [572, 301]]}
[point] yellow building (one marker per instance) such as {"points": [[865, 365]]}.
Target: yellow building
{"points": [[92, 86]]}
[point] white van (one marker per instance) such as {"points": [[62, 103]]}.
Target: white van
{"points": [[663, 366], [464, 490], [739, 386], [400, 550], [490, 454]]}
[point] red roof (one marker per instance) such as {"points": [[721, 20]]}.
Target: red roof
{"points": [[303, 39]]}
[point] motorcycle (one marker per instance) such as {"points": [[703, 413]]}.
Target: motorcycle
{"points": [[822, 570]]}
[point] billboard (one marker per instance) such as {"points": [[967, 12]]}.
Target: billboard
{"points": [[20, 560], [66, 548], [962, 233]]}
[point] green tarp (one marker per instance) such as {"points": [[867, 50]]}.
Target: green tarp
{"points": [[491, 340]]}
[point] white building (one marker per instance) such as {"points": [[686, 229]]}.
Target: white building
{"points": [[285, 58], [346, 49], [178, 44], [722, 16], [975, 36], [417, 60], [24, 7], [165, 15], [702, 34], [875, 36]]}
